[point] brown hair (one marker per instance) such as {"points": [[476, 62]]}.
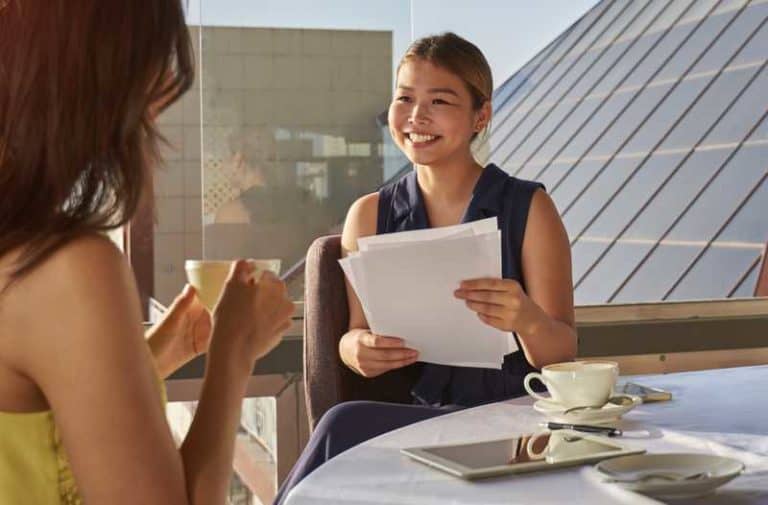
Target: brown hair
{"points": [[460, 57], [79, 83]]}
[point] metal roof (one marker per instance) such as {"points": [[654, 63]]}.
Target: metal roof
{"points": [[647, 122]]}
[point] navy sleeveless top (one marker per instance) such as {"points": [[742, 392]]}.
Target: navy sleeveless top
{"points": [[401, 208]]}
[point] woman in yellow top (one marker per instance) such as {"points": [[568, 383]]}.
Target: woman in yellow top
{"points": [[80, 84]]}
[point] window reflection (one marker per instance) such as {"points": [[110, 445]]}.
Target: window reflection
{"points": [[290, 136]]}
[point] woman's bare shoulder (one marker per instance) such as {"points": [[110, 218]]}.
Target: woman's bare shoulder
{"points": [[82, 263], [72, 297], [86, 273], [360, 221]]}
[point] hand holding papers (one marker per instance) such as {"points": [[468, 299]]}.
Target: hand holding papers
{"points": [[405, 282]]}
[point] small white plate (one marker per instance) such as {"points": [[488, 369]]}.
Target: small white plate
{"points": [[608, 413], [708, 471]]}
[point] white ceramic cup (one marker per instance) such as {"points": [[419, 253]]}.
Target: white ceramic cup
{"points": [[208, 276], [576, 383]]}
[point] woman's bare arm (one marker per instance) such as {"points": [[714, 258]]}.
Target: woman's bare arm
{"points": [[81, 341], [362, 351], [546, 262]]}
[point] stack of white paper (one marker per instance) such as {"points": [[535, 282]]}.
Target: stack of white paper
{"points": [[405, 282]]}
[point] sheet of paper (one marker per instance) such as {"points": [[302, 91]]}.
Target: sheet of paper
{"points": [[409, 294], [352, 267], [399, 238]]}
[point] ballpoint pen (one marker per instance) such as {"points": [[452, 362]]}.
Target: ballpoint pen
{"points": [[587, 428]]}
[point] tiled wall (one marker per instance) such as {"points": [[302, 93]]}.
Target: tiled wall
{"points": [[178, 232], [330, 83]]}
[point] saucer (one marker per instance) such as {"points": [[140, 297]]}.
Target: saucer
{"points": [[606, 414], [698, 474]]}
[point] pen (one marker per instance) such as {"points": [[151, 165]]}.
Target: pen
{"points": [[607, 430]]}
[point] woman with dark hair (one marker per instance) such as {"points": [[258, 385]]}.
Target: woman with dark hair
{"points": [[441, 104], [81, 416]]}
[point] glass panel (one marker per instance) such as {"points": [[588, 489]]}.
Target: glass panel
{"points": [[588, 62], [509, 143], [583, 254], [586, 207], [580, 30], [747, 287], [694, 46], [742, 115], [553, 174], [657, 274], [655, 126], [723, 195], [601, 282], [761, 133], [634, 195], [597, 73], [755, 48], [701, 8], [605, 24], [595, 127], [514, 88], [667, 46], [743, 27], [642, 46], [647, 18], [708, 108], [730, 263], [618, 28], [633, 116], [750, 226], [540, 136], [566, 131], [551, 55], [290, 134], [677, 193], [731, 5], [675, 12], [543, 87]]}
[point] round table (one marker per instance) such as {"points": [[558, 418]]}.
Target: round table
{"points": [[720, 411]]}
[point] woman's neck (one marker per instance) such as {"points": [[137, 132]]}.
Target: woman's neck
{"points": [[449, 183], [447, 189]]}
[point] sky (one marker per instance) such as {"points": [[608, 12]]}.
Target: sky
{"points": [[509, 32]]}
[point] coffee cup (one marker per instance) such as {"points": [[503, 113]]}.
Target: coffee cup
{"points": [[576, 383], [208, 276]]}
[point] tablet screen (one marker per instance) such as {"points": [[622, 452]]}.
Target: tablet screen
{"points": [[550, 447]]}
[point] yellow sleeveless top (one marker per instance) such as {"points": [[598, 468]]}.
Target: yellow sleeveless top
{"points": [[33, 466]]}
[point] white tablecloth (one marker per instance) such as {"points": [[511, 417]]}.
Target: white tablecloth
{"points": [[716, 411]]}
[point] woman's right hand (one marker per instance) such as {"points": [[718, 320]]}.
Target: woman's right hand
{"points": [[370, 355], [250, 316]]}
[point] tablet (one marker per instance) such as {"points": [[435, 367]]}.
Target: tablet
{"points": [[526, 453]]}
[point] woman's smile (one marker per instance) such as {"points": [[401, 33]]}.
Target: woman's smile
{"points": [[421, 140]]}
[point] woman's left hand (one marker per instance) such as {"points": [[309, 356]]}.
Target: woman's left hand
{"points": [[182, 334], [501, 303]]}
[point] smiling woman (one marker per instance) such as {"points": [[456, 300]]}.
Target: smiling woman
{"points": [[441, 104]]}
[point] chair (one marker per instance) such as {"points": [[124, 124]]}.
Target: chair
{"points": [[326, 318]]}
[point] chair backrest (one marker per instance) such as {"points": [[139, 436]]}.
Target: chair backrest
{"points": [[326, 319], [327, 380]]}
